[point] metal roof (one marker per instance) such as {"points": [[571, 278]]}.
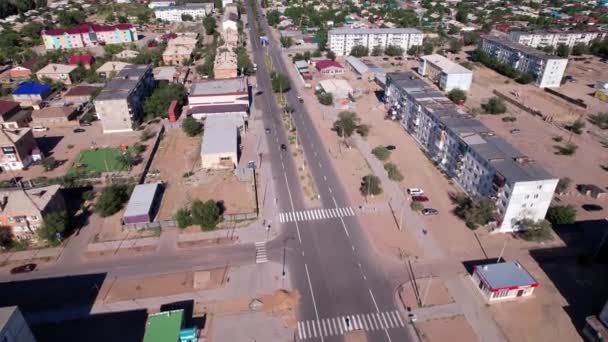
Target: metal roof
{"points": [[221, 134], [29, 88], [55, 68], [219, 87], [505, 275], [141, 199], [356, 64]]}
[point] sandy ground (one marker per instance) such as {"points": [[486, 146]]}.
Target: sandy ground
{"points": [[179, 154], [432, 292], [447, 329]]}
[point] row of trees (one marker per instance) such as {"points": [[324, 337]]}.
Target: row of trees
{"points": [[482, 57]]}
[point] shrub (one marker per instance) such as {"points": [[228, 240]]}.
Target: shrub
{"points": [[326, 99], [49, 163], [600, 120], [363, 130], [561, 214], [416, 206], [567, 150], [381, 152], [577, 126], [191, 126], [558, 138], [205, 214], [563, 185], [393, 172], [88, 195], [536, 231], [112, 199], [146, 134], [509, 119], [457, 96], [370, 186], [495, 105], [53, 226], [183, 218]]}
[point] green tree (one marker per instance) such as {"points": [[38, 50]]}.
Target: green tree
{"points": [[427, 48], [457, 96], [393, 172], [462, 16], [562, 185], [209, 24], [331, 55], [32, 30], [122, 19], [191, 126], [525, 79], [455, 46], [205, 214], [470, 38], [535, 231], [183, 216], [346, 124], [359, 51], [6, 238], [370, 185], [378, 51], [157, 104], [70, 18], [381, 152], [600, 120], [53, 226], [273, 17], [495, 105], [326, 99], [394, 50], [126, 159], [286, 42], [579, 49], [279, 82], [474, 211], [111, 199], [577, 126], [49, 163], [562, 50], [187, 17], [561, 214], [548, 49], [321, 37]]}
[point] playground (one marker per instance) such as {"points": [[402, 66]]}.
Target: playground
{"points": [[98, 160]]}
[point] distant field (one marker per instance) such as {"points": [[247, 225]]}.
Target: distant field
{"points": [[99, 160]]}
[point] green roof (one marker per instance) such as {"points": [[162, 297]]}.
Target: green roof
{"points": [[164, 326]]}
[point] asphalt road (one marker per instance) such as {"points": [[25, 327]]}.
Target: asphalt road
{"points": [[330, 261]]}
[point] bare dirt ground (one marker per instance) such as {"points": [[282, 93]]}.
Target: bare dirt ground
{"points": [[110, 229], [432, 292], [179, 154], [446, 329]]}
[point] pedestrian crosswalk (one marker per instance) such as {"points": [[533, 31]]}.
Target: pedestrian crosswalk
{"points": [[260, 252], [316, 214], [340, 325]]}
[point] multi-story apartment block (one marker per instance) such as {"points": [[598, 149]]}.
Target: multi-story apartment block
{"points": [[88, 35], [481, 163], [540, 39], [546, 69], [119, 106], [160, 3], [18, 148], [342, 40], [446, 74], [174, 13]]}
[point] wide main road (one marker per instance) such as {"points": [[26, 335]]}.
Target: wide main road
{"points": [[330, 261]]}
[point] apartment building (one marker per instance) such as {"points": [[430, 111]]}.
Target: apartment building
{"points": [[481, 163], [541, 39], [174, 13], [160, 3], [446, 74], [546, 69], [85, 35], [119, 106], [22, 210], [342, 40], [18, 149]]}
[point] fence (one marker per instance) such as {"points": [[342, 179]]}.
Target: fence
{"points": [[159, 136], [240, 217], [151, 225], [578, 102], [517, 104]]}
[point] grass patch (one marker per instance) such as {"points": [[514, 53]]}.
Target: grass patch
{"points": [[98, 160], [566, 150]]}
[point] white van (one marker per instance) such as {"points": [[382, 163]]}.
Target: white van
{"points": [[415, 192], [39, 129]]}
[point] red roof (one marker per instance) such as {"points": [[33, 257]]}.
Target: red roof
{"points": [[77, 59], [7, 106], [168, 36], [327, 63], [86, 28]]}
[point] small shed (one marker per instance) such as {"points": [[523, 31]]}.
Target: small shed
{"points": [[301, 65], [143, 204], [503, 281]]}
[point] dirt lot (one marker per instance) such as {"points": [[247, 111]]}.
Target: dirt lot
{"points": [[110, 229], [179, 154], [432, 291], [446, 329]]}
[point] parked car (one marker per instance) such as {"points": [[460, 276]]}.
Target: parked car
{"points": [[391, 147], [40, 129], [515, 130], [592, 207], [23, 269], [79, 130], [415, 192], [85, 123], [420, 199], [429, 211]]}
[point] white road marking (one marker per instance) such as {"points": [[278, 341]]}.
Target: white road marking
{"points": [[313, 295], [399, 317]]}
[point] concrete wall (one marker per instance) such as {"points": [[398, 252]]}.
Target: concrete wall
{"points": [[527, 200], [214, 161], [114, 115]]}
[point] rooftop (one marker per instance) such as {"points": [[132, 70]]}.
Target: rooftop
{"points": [[86, 28], [141, 200], [53, 112], [11, 136], [327, 63], [219, 87], [165, 73], [19, 202], [221, 108], [112, 66], [84, 59], [164, 326], [55, 68], [7, 106], [81, 90], [29, 88], [505, 275], [221, 134], [357, 64], [446, 65], [521, 48], [178, 50], [340, 89], [133, 71], [347, 30]]}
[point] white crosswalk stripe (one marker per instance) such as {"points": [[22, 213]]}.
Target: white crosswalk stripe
{"points": [[260, 252], [316, 214], [340, 325]]}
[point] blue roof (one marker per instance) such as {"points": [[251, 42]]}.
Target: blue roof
{"points": [[31, 88]]}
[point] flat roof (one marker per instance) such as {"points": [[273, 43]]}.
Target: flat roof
{"points": [[141, 199], [446, 65], [340, 89], [348, 30], [164, 326], [5, 315], [219, 87], [220, 134], [112, 66], [505, 275]]}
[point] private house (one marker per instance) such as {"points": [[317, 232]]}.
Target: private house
{"points": [[57, 72], [185, 41], [219, 149], [23, 70], [31, 93], [126, 54], [11, 116], [503, 281], [88, 35], [329, 67], [54, 117], [18, 149], [80, 94], [143, 204], [177, 55], [211, 93], [85, 60], [22, 210], [110, 69]]}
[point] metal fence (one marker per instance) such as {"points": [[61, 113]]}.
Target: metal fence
{"points": [[144, 173], [240, 216]]}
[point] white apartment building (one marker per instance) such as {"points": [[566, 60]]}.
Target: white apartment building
{"points": [[174, 13], [446, 74], [160, 3], [546, 69], [342, 40], [540, 39], [481, 163]]}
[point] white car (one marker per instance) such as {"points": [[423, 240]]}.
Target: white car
{"points": [[415, 192], [40, 129]]}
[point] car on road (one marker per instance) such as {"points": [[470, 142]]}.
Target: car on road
{"points": [[27, 268], [40, 129], [79, 130], [592, 207], [415, 191], [300, 99], [391, 147], [85, 123], [515, 130], [267, 130], [420, 198], [283, 147], [429, 212]]}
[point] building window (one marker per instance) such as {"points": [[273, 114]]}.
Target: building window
{"points": [[500, 294], [527, 196], [539, 187], [536, 196], [523, 205]]}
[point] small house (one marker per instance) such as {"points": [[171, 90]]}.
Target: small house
{"points": [[80, 94], [31, 93], [503, 281], [23, 70], [329, 67], [57, 72], [85, 60]]}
